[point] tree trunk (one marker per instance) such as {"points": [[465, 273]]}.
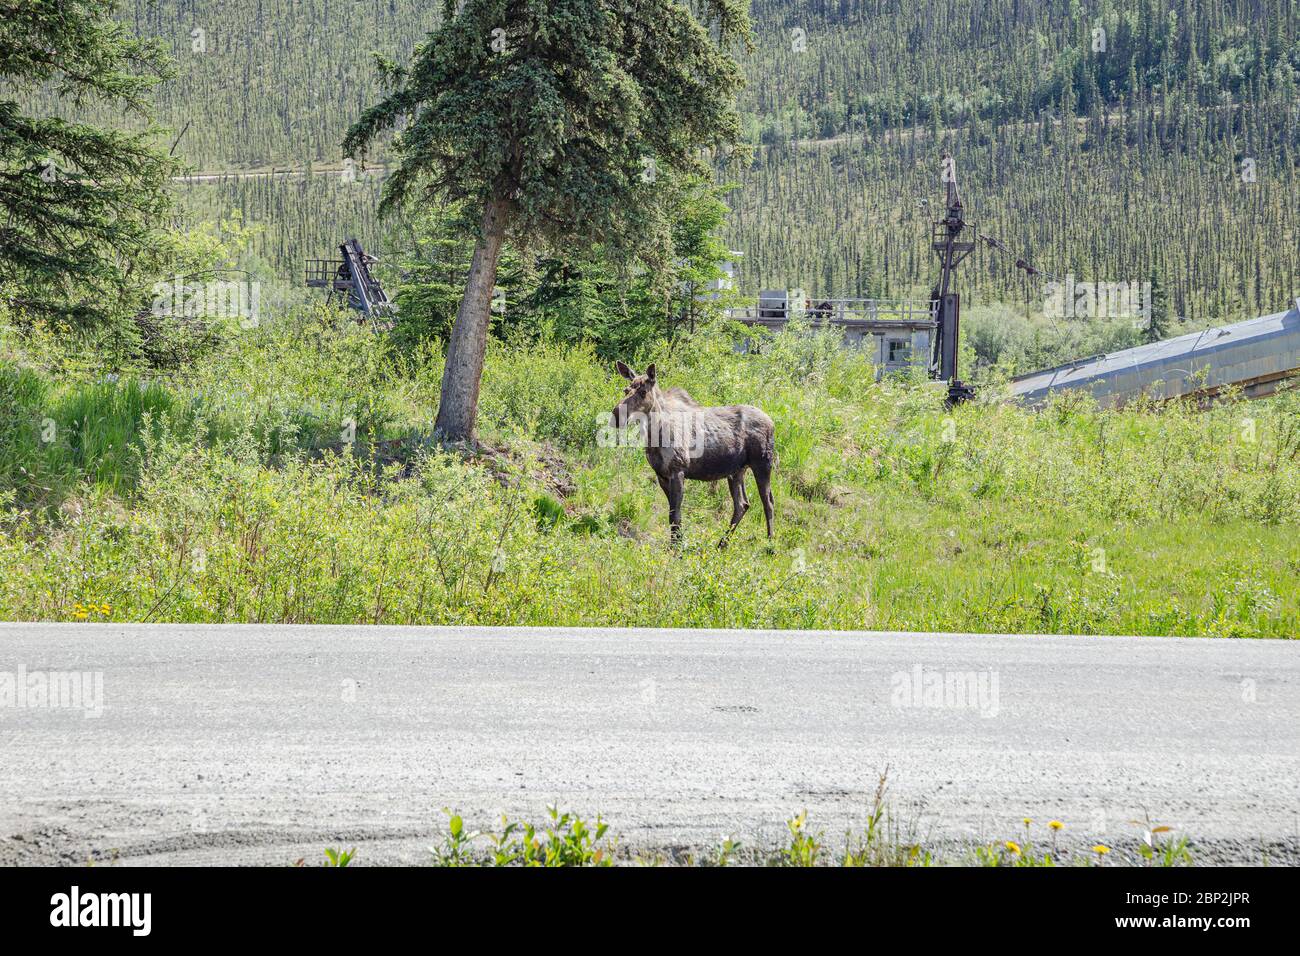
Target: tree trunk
{"points": [[458, 406]]}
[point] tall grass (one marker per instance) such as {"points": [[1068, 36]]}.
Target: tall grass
{"points": [[236, 491]]}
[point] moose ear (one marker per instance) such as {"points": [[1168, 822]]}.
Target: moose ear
{"points": [[623, 370], [650, 372]]}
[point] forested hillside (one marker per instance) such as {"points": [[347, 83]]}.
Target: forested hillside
{"points": [[1164, 146]]}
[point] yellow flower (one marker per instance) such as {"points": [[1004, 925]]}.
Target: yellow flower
{"points": [[1028, 821], [1101, 849], [1057, 825], [1013, 847], [104, 608]]}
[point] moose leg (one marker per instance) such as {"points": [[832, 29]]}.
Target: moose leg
{"points": [[739, 503], [667, 490], [763, 478], [674, 487]]}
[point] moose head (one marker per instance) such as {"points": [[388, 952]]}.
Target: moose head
{"points": [[640, 396]]}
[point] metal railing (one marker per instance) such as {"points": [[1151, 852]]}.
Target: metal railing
{"points": [[838, 312], [324, 273]]}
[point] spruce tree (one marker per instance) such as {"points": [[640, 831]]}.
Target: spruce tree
{"points": [[555, 121], [80, 204], [1158, 322]]}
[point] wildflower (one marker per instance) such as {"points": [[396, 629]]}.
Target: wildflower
{"points": [[1101, 849], [1056, 825], [1013, 847]]}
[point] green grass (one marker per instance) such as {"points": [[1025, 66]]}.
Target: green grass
{"points": [[230, 492]]}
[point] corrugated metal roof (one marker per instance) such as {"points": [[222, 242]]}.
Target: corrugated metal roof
{"points": [[1266, 347]]}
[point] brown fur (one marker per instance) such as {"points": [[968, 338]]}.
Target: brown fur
{"points": [[688, 441]]}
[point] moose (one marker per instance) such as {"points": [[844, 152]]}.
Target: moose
{"points": [[686, 440]]}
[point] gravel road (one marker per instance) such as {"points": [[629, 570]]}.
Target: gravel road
{"points": [[263, 744]]}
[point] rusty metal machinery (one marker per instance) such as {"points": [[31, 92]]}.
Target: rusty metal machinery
{"points": [[952, 248], [350, 279]]}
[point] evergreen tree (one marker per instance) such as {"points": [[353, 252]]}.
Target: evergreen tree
{"points": [[699, 215], [584, 296], [554, 121], [80, 204], [433, 262], [1161, 316]]}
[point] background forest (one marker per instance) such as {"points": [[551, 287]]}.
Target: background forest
{"points": [[1114, 141]]}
